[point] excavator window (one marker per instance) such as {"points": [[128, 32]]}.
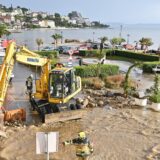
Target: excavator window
{"points": [[60, 84]]}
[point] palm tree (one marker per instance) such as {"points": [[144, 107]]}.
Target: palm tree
{"points": [[103, 40], [145, 43], [117, 41], [39, 42], [56, 37], [3, 30]]}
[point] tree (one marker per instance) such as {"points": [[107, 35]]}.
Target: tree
{"points": [[145, 43], [57, 19], [39, 17], [3, 30], [56, 37], [24, 10], [39, 42], [103, 40], [117, 41], [155, 90]]}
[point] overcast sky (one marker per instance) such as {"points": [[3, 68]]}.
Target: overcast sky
{"points": [[123, 11]]}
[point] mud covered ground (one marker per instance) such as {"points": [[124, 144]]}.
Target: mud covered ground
{"points": [[117, 134]]}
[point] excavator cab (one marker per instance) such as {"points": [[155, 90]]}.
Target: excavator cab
{"points": [[63, 85]]}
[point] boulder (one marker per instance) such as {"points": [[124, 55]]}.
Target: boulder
{"points": [[3, 134], [91, 105], [101, 103], [85, 103]]}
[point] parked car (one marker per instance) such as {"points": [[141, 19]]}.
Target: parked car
{"points": [[156, 69], [71, 49], [48, 48], [128, 46], [60, 49]]}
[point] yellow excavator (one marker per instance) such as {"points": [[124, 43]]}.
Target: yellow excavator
{"points": [[54, 88]]}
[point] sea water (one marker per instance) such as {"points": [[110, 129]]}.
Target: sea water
{"points": [[135, 32]]}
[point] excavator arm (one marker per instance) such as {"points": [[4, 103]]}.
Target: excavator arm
{"points": [[23, 56], [6, 71]]}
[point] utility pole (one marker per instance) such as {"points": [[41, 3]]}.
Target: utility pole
{"points": [[93, 36], [120, 33], [61, 37], [128, 36]]}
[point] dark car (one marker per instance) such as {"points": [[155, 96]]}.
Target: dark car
{"points": [[73, 50], [60, 49]]}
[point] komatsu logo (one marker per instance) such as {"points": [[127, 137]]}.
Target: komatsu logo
{"points": [[33, 60]]}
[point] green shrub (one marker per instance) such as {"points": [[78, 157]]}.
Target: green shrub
{"points": [[155, 90], [155, 98], [134, 55], [96, 70], [148, 67], [49, 54]]}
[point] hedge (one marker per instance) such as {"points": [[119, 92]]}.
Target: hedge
{"points": [[50, 54], [94, 53], [134, 55], [121, 53], [95, 70], [148, 66]]}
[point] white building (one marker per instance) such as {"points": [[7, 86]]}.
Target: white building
{"points": [[34, 14], [65, 18], [73, 21], [51, 24], [47, 23], [17, 11], [43, 14]]}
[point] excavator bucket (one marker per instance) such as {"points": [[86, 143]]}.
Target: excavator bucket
{"points": [[15, 115], [65, 116]]}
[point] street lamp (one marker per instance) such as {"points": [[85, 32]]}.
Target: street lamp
{"points": [[120, 33], [93, 36], [128, 36], [61, 37]]}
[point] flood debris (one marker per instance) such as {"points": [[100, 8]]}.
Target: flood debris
{"points": [[3, 134], [15, 123]]}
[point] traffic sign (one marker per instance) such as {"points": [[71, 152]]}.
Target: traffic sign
{"points": [[47, 143]]}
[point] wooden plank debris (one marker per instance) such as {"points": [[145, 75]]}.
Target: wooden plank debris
{"points": [[65, 116]]}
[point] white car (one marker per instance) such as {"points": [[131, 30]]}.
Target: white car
{"points": [[156, 69], [47, 48]]}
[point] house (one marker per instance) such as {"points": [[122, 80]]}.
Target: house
{"points": [[87, 21], [34, 14], [65, 18], [51, 24], [47, 23], [72, 21], [17, 11], [5, 19], [43, 23], [43, 14]]}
